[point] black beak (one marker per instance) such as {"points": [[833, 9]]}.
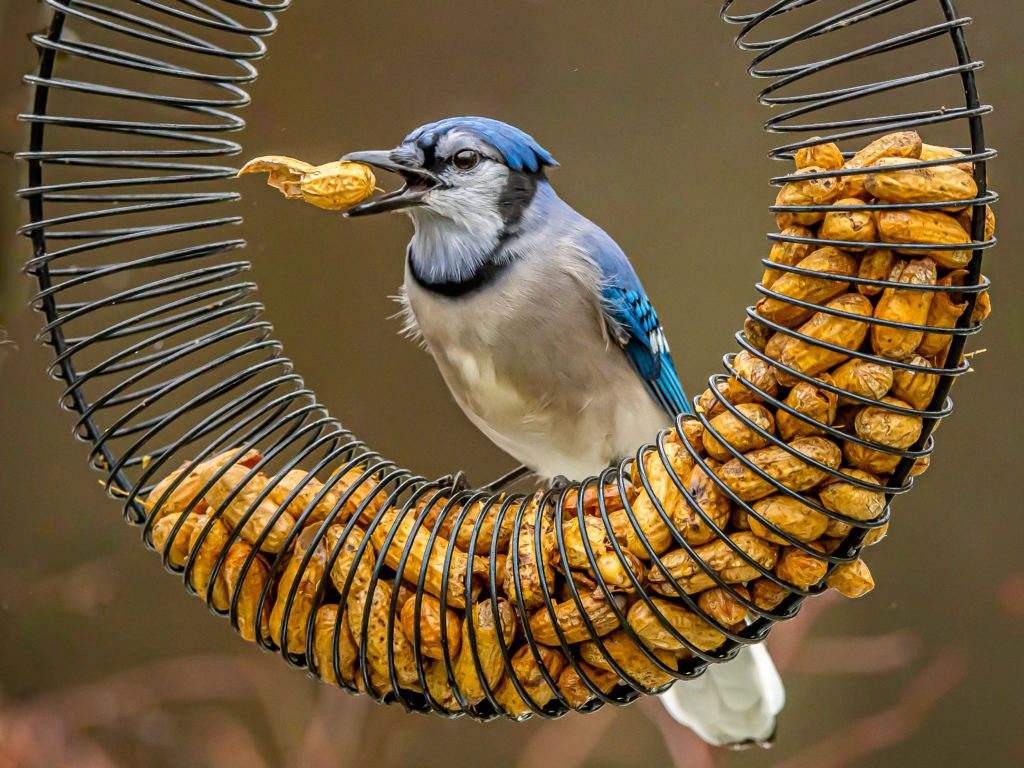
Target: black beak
{"points": [[418, 181]]}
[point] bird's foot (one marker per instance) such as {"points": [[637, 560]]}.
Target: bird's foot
{"points": [[766, 743], [559, 483], [456, 481]]}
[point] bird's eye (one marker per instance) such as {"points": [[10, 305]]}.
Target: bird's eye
{"points": [[466, 159]]}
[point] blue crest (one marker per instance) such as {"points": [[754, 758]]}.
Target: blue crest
{"points": [[520, 150]]}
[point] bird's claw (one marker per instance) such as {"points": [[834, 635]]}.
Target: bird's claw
{"points": [[766, 743], [456, 481], [559, 483]]}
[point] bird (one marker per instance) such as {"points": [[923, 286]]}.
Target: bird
{"points": [[547, 341]]}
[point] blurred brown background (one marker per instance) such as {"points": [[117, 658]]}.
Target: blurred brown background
{"points": [[105, 660]]}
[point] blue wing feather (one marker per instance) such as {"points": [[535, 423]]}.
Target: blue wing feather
{"points": [[635, 325], [642, 338]]}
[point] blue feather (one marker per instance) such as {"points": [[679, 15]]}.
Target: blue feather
{"points": [[635, 324], [520, 150]]}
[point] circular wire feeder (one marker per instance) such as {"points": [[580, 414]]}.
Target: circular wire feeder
{"points": [[175, 369]]}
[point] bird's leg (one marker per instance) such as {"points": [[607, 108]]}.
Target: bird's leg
{"points": [[507, 479]]}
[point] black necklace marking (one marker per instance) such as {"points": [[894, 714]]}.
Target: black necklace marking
{"points": [[485, 273]]}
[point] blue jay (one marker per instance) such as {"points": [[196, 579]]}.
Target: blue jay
{"points": [[547, 341]]}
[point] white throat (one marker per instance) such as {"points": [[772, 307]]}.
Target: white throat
{"points": [[443, 250], [458, 228]]}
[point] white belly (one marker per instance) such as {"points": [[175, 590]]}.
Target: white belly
{"points": [[537, 375]]}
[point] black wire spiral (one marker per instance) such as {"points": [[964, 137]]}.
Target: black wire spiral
{"points": [[159, 344]]}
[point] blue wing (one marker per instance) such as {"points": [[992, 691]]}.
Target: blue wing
{"points": [[634, 324]]}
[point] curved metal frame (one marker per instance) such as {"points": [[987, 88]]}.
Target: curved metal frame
{"points": [[200, 373]]}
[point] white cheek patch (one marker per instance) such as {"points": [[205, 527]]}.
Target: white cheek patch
{"points": [[470, 200]]}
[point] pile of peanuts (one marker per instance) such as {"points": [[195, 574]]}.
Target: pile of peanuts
{"points": [[522, 604]]}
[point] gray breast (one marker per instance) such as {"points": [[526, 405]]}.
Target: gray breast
{"points": [[528, 358]]}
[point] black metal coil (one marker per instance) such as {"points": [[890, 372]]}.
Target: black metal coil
{"points": [[164, 357]]}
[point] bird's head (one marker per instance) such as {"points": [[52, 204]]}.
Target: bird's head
{"points": [[471, 172]]}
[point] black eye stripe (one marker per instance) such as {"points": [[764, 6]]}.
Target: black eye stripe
{"points": [[516, 197]]}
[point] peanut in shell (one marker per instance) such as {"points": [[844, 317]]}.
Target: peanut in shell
{"points": [[722, 606], [875, 264], [616, 572], [731, 390], [827, 156], [325, 650], [890, 428], [936, 184], [760, 374], [693, 433], [870, 460], [376, 615], [916, 388], [356, 486], [266, 526], [531, 567], [711, 502], [852, 500], [439, 686], [982, 308], [916, 227], [799, 568], [178, 548], [831, 264], [766, 594], [190, 483], [351, 569], [864, 378], [526, 669], [304, 578], [430, 620], [569, 619], [789, 515], [206, 547], [851, 579], [333, 186], [576, 692], [650, 522], [756, 333], [435, 553], [811, 359], [631, 658], [643, 620], [786, 468], [720, 556], [484, 649], [933, 152], [787, 253], [817, 404], [901, 144], [806, 192], [944, 312], [247, 576], [486, 534], [965, 219], [904, 305], [849, 227], [305, 488], [736, 433]]}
